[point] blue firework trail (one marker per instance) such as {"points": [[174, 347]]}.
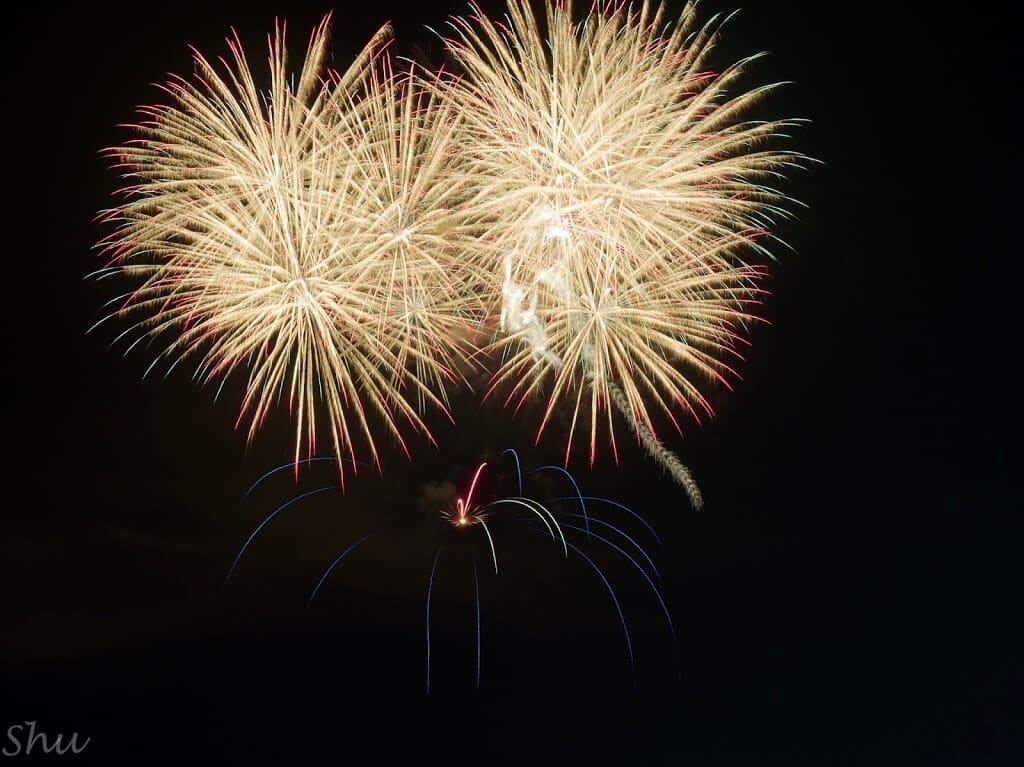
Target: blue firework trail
{"points": [[575, 486], [544, 516], [270, 516], [430, 588], [295, 465], [336, 562], [476, 594], [615, 599], [643, 573]]}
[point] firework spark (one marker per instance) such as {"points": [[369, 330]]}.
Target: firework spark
{"points": [[464, 513], [619, 190], [300, 234]]}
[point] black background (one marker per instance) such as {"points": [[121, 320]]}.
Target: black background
{"points": [[846, 597]]}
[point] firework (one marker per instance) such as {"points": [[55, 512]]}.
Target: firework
{"points": [[474, 516], [591, 191], [299, 234], [619, 188]]}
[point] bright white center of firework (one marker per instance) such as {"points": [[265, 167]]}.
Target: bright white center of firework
{"points": [[547, 223], [300, 290], [394, 224], [415, 307], [309, 295], [400, 236]]}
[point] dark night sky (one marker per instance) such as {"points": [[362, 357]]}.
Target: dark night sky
{"points": [[845, 598]]}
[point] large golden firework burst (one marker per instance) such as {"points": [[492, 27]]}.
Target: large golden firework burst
{"points": [[619, 190], [589, 183], [299, 233]]}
